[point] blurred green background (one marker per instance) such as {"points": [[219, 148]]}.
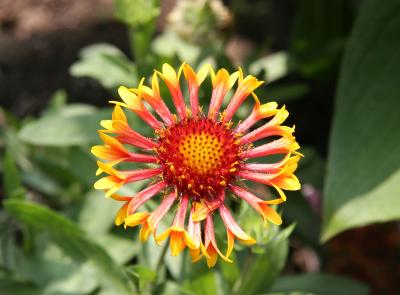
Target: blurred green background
{"points": [[335, 64]]}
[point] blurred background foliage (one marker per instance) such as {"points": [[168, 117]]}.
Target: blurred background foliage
{"points": [[335, 64]]}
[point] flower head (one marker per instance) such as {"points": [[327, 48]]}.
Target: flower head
{"points": [[196, 158]]}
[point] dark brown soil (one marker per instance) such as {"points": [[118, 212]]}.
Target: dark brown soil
{"points": [[39, 40], [32, 69], [370, 254]]}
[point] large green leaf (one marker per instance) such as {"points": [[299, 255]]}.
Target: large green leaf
{"points": [[362, 184], [320, 284], [65, 128], [73, 241], [107, 64]]}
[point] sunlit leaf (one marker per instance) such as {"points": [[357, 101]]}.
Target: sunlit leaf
{"points": [[172, 288], [274, 66], [169, 44], [64, 129], [362, 184], [105, 63]]}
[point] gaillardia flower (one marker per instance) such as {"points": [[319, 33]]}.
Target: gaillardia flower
{"points": [[195, 158]]}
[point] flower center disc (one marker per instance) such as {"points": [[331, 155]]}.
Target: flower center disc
{"points": [[199, 156]]}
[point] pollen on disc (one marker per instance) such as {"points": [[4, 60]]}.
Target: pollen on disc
{"points": [[198, 155], [201, 152]]}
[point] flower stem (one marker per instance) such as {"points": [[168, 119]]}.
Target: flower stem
{"points": [[140, 37], [246, 270], [159, 267], [161, 259]]}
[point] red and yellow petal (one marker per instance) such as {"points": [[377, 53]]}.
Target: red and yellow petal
{"points": [[171, 79], [194, 81], [233, 230]]}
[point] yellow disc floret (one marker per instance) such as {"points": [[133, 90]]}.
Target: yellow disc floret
{"points": [[201, 152]]}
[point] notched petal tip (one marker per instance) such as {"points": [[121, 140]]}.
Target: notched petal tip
{"points": [[169, 74], [270, 214], [136, 219], [121, 215], [131, 100]]}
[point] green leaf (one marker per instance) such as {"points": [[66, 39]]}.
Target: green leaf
{"points": [[175, 265], [64, 129], [230, 271], [54, 271], [81, 165], [169, 44], [362, 184], [96, 204], [264, 268], [73, 241], [172, 288], [136, 12], [57, 101], [320, 284], [9, 286], [275, 66], [120, 249], [205, 284], [11, 177], [143, 276], [14, 146], [43, 182], [105, 63]]}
